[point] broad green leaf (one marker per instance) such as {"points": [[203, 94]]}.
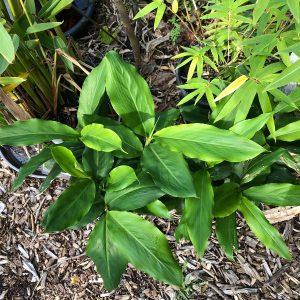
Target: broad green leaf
{"points": [[60, 44], [130, 142], [294, 6], [34, 131], [232, 87], [71, 206], [226, 234], [167, 118], [101, 248], [11, 80], [159, 14], [92, 92], [260, 164], [129, 94], [54, 173], [169, 171], [140, 241], [7, 49], [96, 137], [290, 74], [67, 161], [264, 231], [259, 9], [227, 199], [198, 212], [3, 62], [39, 27], [207, 143], [147, 9], [288, 133], [53, 7], [279, 194], [157, 208], [249, 127], [32, 165], [120, 178], [96, 163], [137, 195], [30, 6]]}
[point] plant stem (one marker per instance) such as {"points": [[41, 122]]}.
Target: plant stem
{"points": [[134, 42]]}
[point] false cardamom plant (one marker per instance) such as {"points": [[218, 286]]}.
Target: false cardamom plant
{"points": [[123, 170]]}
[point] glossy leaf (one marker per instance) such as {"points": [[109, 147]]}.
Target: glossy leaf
{"points": [[157, 208], [71, 206], [96, 137], [53, 7], [249, 127], [120, 178], [7, 49], [159, 14], [129, 94], [67, 161], [279, 194], [34, 131], [260, 164], [54, 173], [92, 92], [39, 27], [140, 241], [137, 195], [207, 143], [101, 248], [226, 234], [227, 199], [288, 133], [198, 212], [31, 166], [168, 170], [96, 163], [264, 231]]}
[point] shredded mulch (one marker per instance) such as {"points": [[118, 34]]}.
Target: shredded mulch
{"points": [[35, 265]]}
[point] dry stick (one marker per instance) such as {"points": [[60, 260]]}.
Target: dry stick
{"points": [[134, 42]]}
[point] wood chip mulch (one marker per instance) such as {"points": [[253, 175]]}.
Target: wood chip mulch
{"points": [[35, 265]]}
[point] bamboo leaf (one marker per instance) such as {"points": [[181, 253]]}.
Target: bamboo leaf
{"points": [[39, 27]]}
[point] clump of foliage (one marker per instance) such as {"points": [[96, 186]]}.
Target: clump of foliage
{"points": [[147, 162]]}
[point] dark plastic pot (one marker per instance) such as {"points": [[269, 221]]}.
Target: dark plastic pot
{"points": [[86, 9]]}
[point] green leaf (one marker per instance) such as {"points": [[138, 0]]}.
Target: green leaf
{"points": [[260, 164], [96, 137], [32, 165], [248, 128], [169, 171], [3, 62], [92, 92], [294, 6], [263, 230], [71, 206], [288, 133], [147, 9], [290, 74], [129, 94], [11, 80], [227, 199], [208, 143], [130, 142], [67, 161], [140, 241], [101, 248], [182, 229], [259, 9], [54, 172], [96, 163], [53, 7], [7, 49], [167, 118], [137, 195], [60, 44], [159, 14], [39, 27], [34, 131], [198, 212], [226, 234], [120, 178], [157, 208], [279, 194]]}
